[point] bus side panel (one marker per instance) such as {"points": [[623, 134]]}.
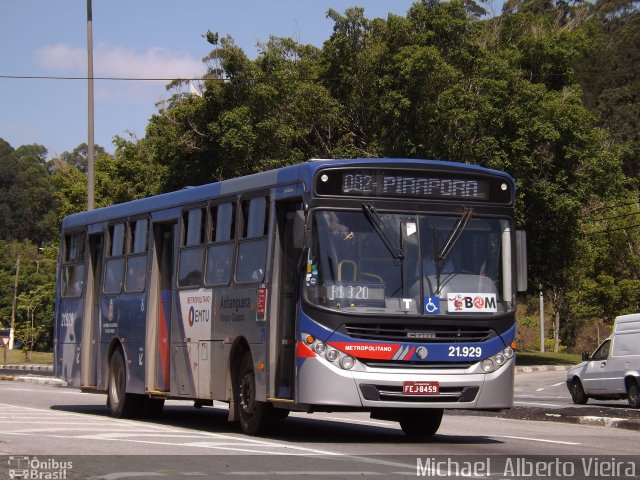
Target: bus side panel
{"points": [[184, 347], [69, 338], [164, 327], [108, 332], [235, 315], [131, 328]]}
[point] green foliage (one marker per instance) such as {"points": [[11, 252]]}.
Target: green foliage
{"points": [[36, 290], [612, 77], [26, 195]]}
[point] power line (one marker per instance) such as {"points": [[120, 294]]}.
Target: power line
{"points": [[622, 215], [609, 207], [348, 77], [124, 79], [609, 230]]}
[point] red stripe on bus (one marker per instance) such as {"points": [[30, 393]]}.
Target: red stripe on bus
{"points": [[163, 346], [303, 351]]}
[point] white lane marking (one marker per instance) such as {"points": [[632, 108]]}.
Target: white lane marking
{"points": [[537, 404], [558, 384], [363, 422], [540, 389], [113, 425], [493, 436], [541, 440]]}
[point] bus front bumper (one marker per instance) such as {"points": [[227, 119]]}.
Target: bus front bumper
{"points": [[321, 383]]}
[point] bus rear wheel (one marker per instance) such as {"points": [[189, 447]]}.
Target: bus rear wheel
{"points": [[121, 404], [421, 423], [256, 418]]}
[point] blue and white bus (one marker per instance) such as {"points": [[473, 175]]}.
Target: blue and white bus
{"points": [[378, 285]]}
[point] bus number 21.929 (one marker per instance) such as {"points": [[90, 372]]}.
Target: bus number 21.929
{"points": [[472, 352]]}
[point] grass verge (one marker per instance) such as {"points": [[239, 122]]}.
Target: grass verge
{"points": [[16, 357], [528, 358]]}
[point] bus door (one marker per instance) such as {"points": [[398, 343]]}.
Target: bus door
{"points": [[160, 301], [91, 328], [283, 328]]}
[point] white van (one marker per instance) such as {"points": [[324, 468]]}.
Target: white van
{"points": [[613, 371]]}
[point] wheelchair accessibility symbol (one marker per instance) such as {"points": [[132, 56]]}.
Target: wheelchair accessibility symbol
{"points": [[431, 305]]}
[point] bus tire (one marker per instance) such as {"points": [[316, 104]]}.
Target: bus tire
{"points": [[256, 418], [576, 390], [121, 404], [421, 423]]}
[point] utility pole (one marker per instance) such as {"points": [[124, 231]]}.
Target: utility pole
{"points": [[15, 304], [541, 320], [90, 139]]}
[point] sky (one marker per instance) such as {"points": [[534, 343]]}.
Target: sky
{"points": [[131, 39]]}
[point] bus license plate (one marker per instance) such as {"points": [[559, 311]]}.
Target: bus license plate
{"points": [[421, 388]]}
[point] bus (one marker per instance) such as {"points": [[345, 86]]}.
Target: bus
{"points": [[385, 286]]}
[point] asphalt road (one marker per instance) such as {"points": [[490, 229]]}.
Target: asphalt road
{"points": [[48, 422], [544, 396]]}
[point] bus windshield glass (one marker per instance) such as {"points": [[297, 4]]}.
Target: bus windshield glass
{"points": [[393, 263]]}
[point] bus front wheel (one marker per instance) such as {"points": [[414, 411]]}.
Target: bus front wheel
{"points": [[121, 404], [255, 417], [421, 423]]}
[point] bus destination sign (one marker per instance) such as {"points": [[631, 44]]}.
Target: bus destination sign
{"points": [[376, 183]]}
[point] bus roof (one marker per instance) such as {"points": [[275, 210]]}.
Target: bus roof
{"points": [[300, 173]]}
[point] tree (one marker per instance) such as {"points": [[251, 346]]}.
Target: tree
{"points": [[36, 287], [254, 115], [30, 331], [79, 156], [26, 196], [611, 77], [127, 175]]}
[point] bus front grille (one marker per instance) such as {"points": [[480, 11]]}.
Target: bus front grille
{"points": [[418, 334], [415, 365], [390, 393]]}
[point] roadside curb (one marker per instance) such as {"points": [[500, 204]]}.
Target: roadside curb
{"points": [[27, 367], [544, 368], [605, 422], [33, 379]]}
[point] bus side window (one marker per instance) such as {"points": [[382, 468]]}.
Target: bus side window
{"points": [[114, 268], [220, 251], [252, 248], [73, 266], [192, 248], [137, 259]]}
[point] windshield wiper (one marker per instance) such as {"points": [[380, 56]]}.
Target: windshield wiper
{"points": [[455, 234], [382, 230], [453, 237]]}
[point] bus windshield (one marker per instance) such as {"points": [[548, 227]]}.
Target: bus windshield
{"points": [[393, 263]]}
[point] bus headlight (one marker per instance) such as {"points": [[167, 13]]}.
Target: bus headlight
{"points": [[332, 355], [493, 363], [488, 365], [347, 362]]}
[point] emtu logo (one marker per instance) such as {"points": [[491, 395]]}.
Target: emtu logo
{"points": [[198, 316]]}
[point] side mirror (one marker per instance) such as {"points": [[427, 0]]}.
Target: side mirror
{"points": [[300, 239], [586, 356], [521, 260]]}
